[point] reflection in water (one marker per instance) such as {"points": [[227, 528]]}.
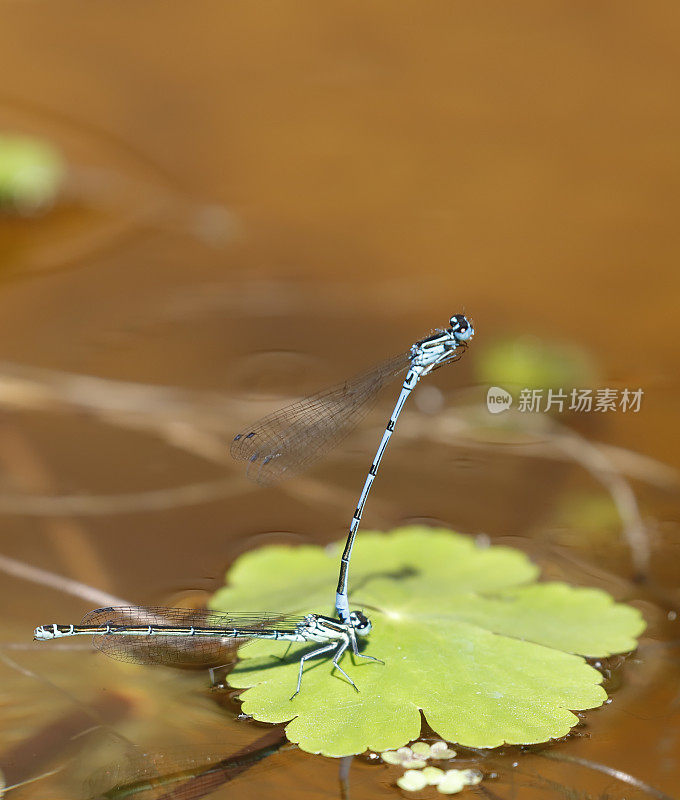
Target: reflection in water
{"points": [[188, 773]]}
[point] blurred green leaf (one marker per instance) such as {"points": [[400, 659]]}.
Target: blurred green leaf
{"points": [[531, 363], [31, 173], [589, 511], [467, 636]]}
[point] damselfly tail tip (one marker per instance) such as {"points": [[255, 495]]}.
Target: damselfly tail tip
{"points": [[42, 632]]}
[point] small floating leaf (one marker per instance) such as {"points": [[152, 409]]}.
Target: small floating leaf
{"points": [[392, 757], [455, 780], [421, 749], [468, 637], [433, 775], [414, 757], [441, 751], [417, 754], [412, 780]]}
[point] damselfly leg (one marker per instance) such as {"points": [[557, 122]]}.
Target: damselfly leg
{"points": [[319, 651]]}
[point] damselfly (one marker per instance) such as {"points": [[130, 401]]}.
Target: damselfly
{"points": [[290, 439], [189, 637], [279, 444]]}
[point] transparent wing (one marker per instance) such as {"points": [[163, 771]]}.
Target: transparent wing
{"points": [[178, 650], [175, 773], [292, 438]]}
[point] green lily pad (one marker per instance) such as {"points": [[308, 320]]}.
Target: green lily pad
{"points": [[467, 636]]}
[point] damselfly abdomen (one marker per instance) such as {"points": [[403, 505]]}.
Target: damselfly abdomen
{"points": [[182, 637]]}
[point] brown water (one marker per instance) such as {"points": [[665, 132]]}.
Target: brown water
{"points": [[264, 198]]}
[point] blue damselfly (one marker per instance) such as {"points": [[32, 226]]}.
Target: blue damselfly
{"points": [[292, 438], [185, 637], [280, 444]]}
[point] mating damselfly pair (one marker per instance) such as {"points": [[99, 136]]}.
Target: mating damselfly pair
{"points": [[277, 446]]}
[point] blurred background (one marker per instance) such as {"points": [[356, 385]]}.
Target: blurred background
{"points": [[207, 211]]}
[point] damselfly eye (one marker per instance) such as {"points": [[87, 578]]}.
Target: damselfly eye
{"points": [[360, 622], [461, 327]]}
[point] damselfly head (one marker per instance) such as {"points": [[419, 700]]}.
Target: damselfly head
{"points": [[360, 622], [461, 327]]}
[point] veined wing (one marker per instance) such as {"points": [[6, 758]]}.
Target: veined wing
{"points": [[175, 648], [289, 440]]}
